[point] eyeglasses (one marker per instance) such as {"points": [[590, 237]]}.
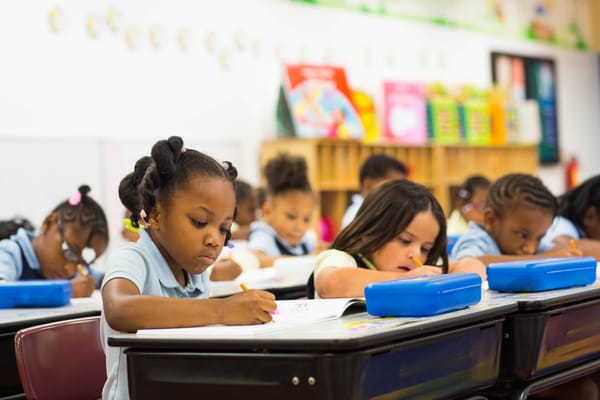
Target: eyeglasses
{"points": [[68, 252]]}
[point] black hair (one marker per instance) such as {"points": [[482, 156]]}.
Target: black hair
{"points": [[574, 204], [81, 209], [517, 190], [470, 185], [285, 173], [243, 190], [9, 227], [386, 212], [378, 166], [167, 170], [261, 196]]}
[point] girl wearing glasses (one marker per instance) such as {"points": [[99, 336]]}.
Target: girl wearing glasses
{"points": [[185, 201], [71, 238]]}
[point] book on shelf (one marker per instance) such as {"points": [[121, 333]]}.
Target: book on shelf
{"points": [[316, 101]]}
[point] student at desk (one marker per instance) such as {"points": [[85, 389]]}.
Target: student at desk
{"points": [[399, 227], [519, 210], [578, 219], [286, 213], [71, 238], [185, 201], [376, 169]]}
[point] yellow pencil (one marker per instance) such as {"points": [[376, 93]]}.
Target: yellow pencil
{"points": [[417, 262], [244, 287], [80, 269], [573, 244]]}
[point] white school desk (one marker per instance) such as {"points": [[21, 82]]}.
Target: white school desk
{"points": [[554, 337], [14, 319], [354, 357], [284, 288]]}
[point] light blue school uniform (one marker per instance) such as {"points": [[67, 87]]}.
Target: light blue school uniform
{"points": [[19, 245], [474, 242], [142, 264], [352, 209], [264, 238], [11, 255], [560, 226]]}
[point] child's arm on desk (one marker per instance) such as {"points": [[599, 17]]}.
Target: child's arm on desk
{"points": [[127, 310], [265, 259], [83, 285], [468, 264], [351, 282], [589, 247]]}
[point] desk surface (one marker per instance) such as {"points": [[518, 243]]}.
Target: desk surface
{"points": [[354, 331], [539, 301]]}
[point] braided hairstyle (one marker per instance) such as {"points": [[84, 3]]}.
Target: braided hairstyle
{"points": [[286, 173], [520, 190], [575, 203], [168, 169], [85, 212]]}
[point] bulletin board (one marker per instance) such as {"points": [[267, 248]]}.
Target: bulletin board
{"points": [[533, 78]]}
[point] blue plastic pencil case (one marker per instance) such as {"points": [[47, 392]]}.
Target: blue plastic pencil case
{"points": [[540, 274], [422, 296], [35, 293]]}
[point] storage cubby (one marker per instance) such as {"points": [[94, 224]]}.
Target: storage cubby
{"points": [[333, 165]]}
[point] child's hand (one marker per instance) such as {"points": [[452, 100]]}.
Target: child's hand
{"points": [[250, 307], [424, 270], [83, 286], [562, 252], [225, 270]]}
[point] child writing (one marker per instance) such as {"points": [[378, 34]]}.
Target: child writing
{"points": [[375, 170], [286, 213], [399, 227], [469, 204], [578, 219], [71, 238], [185, 200], [518, 212]]}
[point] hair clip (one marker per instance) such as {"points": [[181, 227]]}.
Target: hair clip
{"points": [[143, 216], [75, 198], [225, 165], [129, 225], [464, 194], [183, 149], [230, 245]]}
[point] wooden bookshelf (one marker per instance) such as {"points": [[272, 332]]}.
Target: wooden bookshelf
{"points": [[333, 165]]}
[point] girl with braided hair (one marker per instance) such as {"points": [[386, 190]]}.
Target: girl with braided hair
{"points": [[519, 210], [71, 238], [185, 201]]}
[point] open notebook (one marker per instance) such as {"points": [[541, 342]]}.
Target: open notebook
{"points": [[289, 313]]}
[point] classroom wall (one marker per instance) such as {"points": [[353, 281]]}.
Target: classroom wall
{"points": [[80, 109]]}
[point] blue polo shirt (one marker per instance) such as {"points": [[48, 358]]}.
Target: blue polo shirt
{"points": [[560, 226], [11, 257], [474, 242], [352, 210], [142, 264], [262, 237]]}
